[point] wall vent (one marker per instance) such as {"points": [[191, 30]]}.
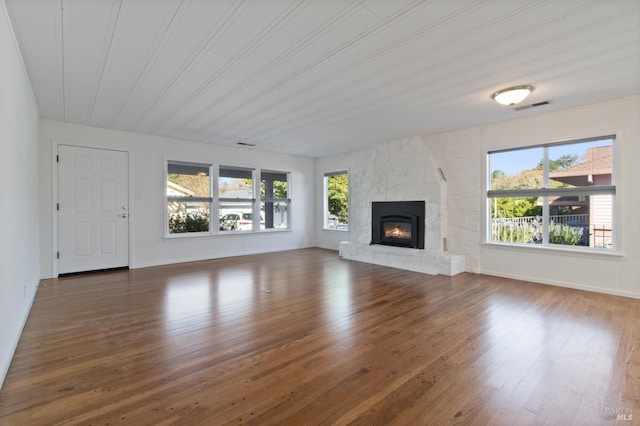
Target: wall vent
{"points": [[537, 104]]}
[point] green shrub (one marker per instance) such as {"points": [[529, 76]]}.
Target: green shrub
{"points": [[191, 222], [511, 231], [228, 225], [565, 234]]}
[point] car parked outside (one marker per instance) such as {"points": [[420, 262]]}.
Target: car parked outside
{"points": [[243, 221]]}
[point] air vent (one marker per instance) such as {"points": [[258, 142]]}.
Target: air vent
{"points": [[245, 144], [537, 104]]}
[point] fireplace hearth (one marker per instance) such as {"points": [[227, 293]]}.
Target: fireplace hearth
{"points": [[398, 223]]}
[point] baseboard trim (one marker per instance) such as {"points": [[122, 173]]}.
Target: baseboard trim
{"points": [[6, 362], [563, 284], [138, 265]]}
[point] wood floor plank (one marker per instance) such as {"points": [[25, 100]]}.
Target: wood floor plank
{"points": [[304, 337]]}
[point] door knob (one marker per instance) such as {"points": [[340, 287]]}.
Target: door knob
{"points": [[124, 215]]}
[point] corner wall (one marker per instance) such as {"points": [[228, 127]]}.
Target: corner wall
{"points": [[148, 246], [19, 263], [458, 155]]}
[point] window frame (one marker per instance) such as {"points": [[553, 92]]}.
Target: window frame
{"points": [[214, 201], [267, 200], [546, 191], [253, 200], [168, 199], [325, 197]]}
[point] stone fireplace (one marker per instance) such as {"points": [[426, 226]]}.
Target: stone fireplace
{"points": [[391, 172], [398, 223]]}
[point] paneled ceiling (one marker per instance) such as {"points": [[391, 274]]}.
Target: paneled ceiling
{"points": [[319, 77]]}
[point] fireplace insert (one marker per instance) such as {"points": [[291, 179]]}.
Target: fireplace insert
{"points": [[398, 223]]}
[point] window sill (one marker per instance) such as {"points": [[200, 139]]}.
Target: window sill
{"points": [[556, 250], [221, 233], [262, 231], [334, 229], [186, 235]]}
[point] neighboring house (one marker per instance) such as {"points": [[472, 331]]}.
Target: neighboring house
{"points": [[175, 190], [236, 200], [593, 169]]}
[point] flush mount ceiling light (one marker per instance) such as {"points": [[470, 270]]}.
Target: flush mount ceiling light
{"points": [[512, 95]]}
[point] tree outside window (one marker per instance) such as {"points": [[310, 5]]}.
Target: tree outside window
{"points": [[336, 189]]}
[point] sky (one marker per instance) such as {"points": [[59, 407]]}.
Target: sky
{"points": [[513, 162]]}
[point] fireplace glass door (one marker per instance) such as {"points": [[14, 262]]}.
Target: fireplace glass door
{"points": [[398, 223], [399, 230]]}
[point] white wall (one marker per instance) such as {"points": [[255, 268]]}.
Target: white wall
{"points": [[147, 193], [463, 155], [393, 171], [19, 264]]}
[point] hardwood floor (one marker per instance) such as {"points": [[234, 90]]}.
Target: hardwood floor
{"points": [[304, 337]]}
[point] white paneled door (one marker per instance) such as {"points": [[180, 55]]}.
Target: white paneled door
{"points": [[93, 210]]}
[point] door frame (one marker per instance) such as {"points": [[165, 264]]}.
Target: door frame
{"points": [[55, 198]]}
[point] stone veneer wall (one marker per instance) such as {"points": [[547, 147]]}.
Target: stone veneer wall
{"points": [[459, 155], [400, 170]]}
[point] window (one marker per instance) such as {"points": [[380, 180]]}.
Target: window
{"points": [[236, 199], [190, 192], [188, 197], [336, 200], [274, 199], [559, 194]]}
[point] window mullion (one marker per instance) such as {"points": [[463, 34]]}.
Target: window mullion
{"points": [[545, 167], [550, 192], [545, 200], [255, 179], [214, 209], [545, 220]]}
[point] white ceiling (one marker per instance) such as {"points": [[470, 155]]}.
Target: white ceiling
{"points": [[319, 77]]}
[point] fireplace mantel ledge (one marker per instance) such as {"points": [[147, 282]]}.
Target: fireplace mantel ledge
{"points": [[424, 261]]}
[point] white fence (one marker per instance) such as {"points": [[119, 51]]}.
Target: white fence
{"points": [[533, 220], [528, 229]]}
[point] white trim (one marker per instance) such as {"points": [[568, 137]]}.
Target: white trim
{"points": [[561, 284], [552, 192], [214, 219], [558, 142], [556, 249], [616, 138], [616, 213], [212, 189], [222, 256], [260, 200], [325, 204], [6, 363]]}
